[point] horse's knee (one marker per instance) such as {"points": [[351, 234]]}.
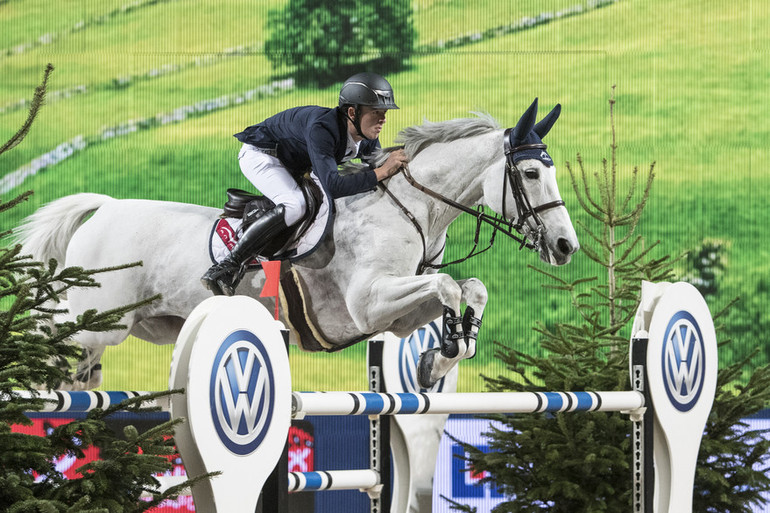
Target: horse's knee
{"points": [[449, 291], [474, 292]]}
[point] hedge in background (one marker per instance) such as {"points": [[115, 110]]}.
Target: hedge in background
{"points": [[324, 42]]}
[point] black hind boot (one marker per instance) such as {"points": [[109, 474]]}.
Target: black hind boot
{"points": [[223, 278]]}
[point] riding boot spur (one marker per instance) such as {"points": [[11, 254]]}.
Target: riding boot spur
{"points": [[223, 278]]}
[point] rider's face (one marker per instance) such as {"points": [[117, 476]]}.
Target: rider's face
{"points": [[371, 122]]}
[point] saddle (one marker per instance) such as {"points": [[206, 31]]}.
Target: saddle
{"points": [[246, 207], [249, 207]]}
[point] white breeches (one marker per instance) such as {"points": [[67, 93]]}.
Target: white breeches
{"points": [[273, 180]]}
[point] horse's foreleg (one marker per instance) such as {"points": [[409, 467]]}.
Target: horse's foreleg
{"points": [[475, 297], [459, 335], [377, 305]]}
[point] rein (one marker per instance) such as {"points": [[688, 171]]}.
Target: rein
{"points": [[524, 210]]}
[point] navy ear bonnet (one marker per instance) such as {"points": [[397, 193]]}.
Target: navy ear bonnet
{"points": [[526, 133], [536, 154]]}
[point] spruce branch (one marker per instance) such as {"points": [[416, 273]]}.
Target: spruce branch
{"points": [[13, 203], [35, 352], [37, 102], [583, 191]]}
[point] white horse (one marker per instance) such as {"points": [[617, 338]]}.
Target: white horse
{"points": [[366, 276]]}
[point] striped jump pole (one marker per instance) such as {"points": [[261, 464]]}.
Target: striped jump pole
{"points": [[369, 403], [365, 480], [232, 360], [84, 401], [372, 403]]}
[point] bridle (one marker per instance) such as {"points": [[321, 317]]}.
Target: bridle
{"points": [[524, 209], [531, 237]]}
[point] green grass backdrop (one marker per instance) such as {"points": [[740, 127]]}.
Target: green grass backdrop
{"points": [[691, 83]]}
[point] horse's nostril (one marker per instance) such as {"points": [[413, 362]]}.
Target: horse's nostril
{"points": [[564, 246]]}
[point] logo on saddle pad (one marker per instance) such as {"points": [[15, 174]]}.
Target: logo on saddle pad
{"points": [[409, 353], [242, 392], [683, 361]]}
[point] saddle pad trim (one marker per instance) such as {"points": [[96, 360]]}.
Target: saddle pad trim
{"points": [[293, 299], [309, 337], [223, 238]]}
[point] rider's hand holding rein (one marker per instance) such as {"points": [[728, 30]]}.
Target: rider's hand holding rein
{"points": [[394, 163], [365, 122]]}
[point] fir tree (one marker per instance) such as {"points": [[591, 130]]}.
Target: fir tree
{"points": [[32, 350], [581, 462]]}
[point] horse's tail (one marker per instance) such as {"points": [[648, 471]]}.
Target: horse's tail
{"points": [[46, 233]]}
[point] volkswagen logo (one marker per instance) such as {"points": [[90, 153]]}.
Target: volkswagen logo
{"points": [[242, 392], [409, 353], [683, 361]]}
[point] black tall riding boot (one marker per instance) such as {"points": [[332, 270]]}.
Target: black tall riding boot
{"points": [[224, 277]]}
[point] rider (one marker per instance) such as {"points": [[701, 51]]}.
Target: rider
{"points": [[279, 150]]}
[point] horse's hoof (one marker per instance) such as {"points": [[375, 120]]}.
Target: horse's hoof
{"points": [[424, 368]]}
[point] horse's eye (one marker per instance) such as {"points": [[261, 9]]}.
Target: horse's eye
{"points": [[532, 173]]}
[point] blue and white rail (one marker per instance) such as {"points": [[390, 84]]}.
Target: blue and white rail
{"points": [[371, 403], [364, 480], [84, 401]]}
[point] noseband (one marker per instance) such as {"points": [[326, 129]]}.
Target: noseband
{"points": [[529, 234]]}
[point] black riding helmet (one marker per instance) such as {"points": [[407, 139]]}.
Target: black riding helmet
{"points": [[365, 89]]}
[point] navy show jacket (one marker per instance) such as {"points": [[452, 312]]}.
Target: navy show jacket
{"points": [[313, 137]]}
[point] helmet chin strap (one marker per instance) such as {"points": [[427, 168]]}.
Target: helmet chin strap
{"points": [[356, 123]]}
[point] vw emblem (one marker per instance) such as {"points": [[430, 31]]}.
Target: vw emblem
{"points": [[409, 353], [683, 361], [242, 392]]}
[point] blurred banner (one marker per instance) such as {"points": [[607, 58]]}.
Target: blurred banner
{"points": [[340, 443]]}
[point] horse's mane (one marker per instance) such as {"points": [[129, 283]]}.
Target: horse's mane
{"points": [[417, 138]]}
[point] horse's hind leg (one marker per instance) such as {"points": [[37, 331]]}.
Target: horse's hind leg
{"points": [[158, 330], [89, 371], [88, 374]]}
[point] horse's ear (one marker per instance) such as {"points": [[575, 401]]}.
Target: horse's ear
{"points": [[547, 122], [525, 124]]}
